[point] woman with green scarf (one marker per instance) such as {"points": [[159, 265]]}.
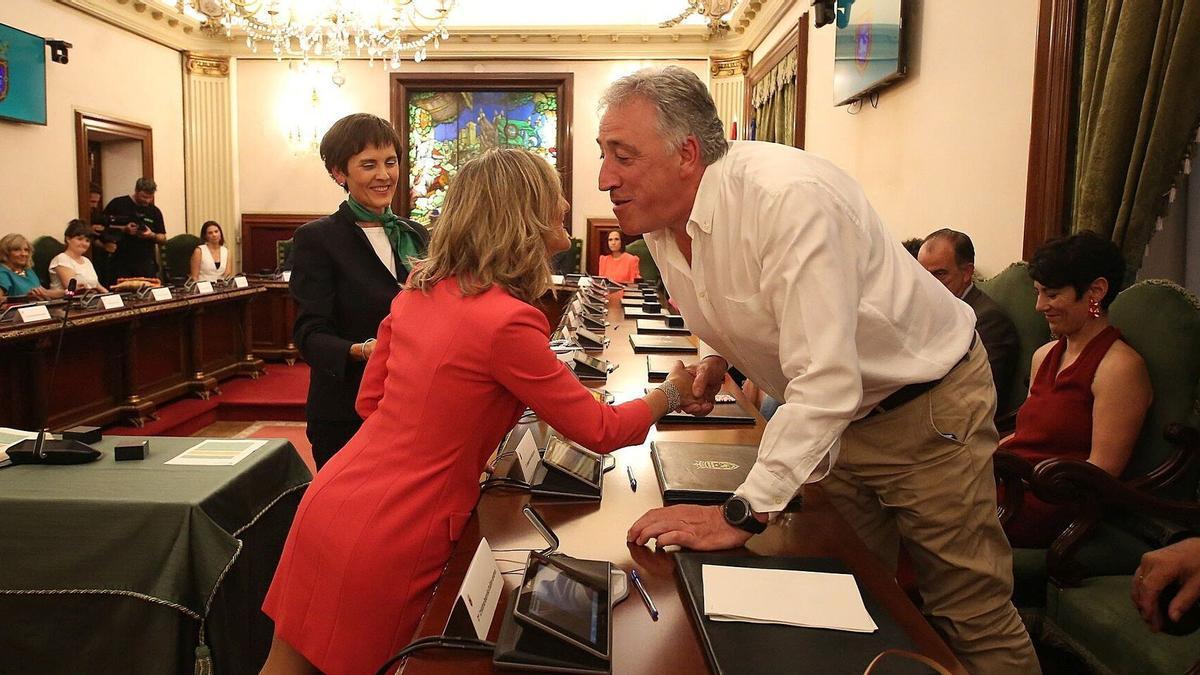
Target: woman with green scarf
{"points": [[346, 269]]}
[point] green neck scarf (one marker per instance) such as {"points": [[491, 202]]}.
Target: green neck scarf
{"points": [[405, 243]]}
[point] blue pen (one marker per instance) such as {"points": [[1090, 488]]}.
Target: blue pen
{"points": [[637, 581]]}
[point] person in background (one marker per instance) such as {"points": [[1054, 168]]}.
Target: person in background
{"points": [[1090, 390], [104, 239], [144, 231], [346, 268], [17, 276], [913, 245], [782, 268], [949, 256], [210, 260], [461, 354], [73, 263], [619, 265]]}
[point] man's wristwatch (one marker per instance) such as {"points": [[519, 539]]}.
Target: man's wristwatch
{"points": [[738, 513]]}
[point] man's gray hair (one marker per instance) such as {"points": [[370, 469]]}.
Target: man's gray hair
{"points": [[684, 107]]}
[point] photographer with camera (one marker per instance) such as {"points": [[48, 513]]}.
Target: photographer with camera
{"points": [[143, 230]]}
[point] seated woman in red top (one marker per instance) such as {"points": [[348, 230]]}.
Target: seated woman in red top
{"points": [[619, 265], [1090, 390], [459, 356]]}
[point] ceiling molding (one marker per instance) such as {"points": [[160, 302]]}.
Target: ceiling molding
{"points": [[750, 24]]}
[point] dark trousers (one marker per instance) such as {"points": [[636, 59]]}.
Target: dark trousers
{"points": [[329, 437]]}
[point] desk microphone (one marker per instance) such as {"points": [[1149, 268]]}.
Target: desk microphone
{"points": [[41, 450]]}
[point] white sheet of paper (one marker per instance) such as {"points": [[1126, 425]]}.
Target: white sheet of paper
{"points": [[789, 597], [527, 456], [214, 452]]}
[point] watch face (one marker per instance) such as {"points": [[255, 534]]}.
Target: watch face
{"points": [[735, 511]]}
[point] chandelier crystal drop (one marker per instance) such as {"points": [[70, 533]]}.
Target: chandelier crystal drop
{"points": [[334, 29]]}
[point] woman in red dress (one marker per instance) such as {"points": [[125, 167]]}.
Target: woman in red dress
{"points": [[1090, 390], [458, 358], [619, 265]]}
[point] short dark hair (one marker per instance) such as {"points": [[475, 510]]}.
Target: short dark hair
{"points": [[1077, 261], [913, 245], [964, 250], [351, 135], [215, 224], [77, 228], [144, 184]]}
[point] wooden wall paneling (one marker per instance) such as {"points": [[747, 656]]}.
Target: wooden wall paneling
{"points": [[1053, 120], [260, 231], [597, 241]]}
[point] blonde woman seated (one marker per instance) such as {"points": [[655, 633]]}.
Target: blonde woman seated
{"points": [[460, 355], [17, 277], [619, 265], [72, 263], [210, 260], [1089, 390]]}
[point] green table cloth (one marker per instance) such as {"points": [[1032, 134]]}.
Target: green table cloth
{"points": [[122, 566]]}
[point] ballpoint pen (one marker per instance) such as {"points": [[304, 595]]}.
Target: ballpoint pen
{"points": [[637, 581], [632, 480]]}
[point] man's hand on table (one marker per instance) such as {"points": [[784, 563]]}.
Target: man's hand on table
{"points": [[709, 376], [700, 528]]}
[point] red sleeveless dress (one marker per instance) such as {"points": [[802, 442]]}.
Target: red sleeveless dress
{"points": [[1055, 421]]}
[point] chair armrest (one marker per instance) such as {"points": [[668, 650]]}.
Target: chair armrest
{"points": [[1186, 440], [1012, 474]]}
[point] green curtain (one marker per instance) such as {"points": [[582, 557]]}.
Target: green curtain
{"points": [[774, 102], [1139, 102]]}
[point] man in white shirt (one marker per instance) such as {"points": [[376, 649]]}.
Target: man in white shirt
{"points": [[779, 264]]}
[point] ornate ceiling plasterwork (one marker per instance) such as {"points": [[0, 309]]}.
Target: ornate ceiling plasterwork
{"points": [[750, 23]]}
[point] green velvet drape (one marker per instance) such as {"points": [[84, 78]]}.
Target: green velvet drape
{"points": [[774, 101], [1139, 102]]}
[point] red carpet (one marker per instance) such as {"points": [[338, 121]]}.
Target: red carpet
{"points": [[292, 431], [277, 395]]}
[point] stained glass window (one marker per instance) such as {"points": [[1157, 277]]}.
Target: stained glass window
{"points": [[447, 128]]}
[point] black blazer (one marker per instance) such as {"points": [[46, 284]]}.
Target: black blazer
{"points": [[342, 293], [1000, 340]]}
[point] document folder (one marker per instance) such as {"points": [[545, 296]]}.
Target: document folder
{"points": [[758, 649]]}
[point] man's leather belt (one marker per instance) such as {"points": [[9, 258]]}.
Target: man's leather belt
{"points": [[911, 391]]}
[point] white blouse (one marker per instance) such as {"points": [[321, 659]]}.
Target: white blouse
{"points": [[209, 270], [85, 272]]}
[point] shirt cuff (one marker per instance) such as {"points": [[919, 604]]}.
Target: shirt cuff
{"points": [[766, 492], [703, 351]]}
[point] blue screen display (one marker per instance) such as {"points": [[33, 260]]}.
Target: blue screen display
{"points": [[22, 76], [868, 50]]}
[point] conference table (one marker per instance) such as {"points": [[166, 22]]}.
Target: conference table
{"points": [[134, 566], [597, 531]]}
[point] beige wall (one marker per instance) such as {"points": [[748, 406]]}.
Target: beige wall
{"points": [[948, 146], [122, 165], [111, 72], [276, 177]]}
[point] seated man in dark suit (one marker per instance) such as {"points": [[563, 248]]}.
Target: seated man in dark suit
{"points": [[949, 256]]}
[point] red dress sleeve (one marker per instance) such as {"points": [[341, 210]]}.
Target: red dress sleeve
{"points": [[523, 363], [370, 391]]}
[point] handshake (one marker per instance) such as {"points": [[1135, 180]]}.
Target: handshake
{"points": [[698, 385]]}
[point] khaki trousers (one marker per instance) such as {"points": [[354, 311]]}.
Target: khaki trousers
{"points": [[921, 475]]}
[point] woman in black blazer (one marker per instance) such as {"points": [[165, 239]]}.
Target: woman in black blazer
{"points": [[346, 269]]}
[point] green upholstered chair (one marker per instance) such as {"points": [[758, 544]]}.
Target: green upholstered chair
{"points": [[646, 265], [1012, 289], [44, 250], [1087, 607], [283, 249], [177, 257]]}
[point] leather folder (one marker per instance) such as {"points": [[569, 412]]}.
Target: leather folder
{"points": [[657, 366], [655, 327], [757, 649], [669, 344], [703, 473]]}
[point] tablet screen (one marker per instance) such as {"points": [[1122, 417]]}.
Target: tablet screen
{"points": [[564, 605], [592, 362], [574, 460]]}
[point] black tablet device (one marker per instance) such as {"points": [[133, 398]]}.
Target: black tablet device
{"points": [[574, 460], [566, 605]]}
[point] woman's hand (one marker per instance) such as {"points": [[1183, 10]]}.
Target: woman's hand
{"points": [[39, 293], [684, 381]]}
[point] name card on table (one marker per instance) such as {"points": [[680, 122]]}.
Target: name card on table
{"points": [[160, 294], [584, 282], [111, 301], [240, 282], [557, 279], [33, 313], [475, 607], [204, 287], [286, 275], [527, 458]]}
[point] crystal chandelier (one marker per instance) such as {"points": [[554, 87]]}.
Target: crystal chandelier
{"points": [[335, 29], [714, 11]]}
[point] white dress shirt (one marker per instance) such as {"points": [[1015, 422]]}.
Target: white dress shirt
{"points": [[795, 281], [382, 245], [209, 269]]}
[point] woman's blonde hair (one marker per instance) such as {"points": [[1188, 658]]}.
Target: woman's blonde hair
{"points": [[10, 242], [496, 216]]}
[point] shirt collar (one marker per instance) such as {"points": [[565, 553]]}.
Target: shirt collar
{"points": [[966, 290], [705, 205]]}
